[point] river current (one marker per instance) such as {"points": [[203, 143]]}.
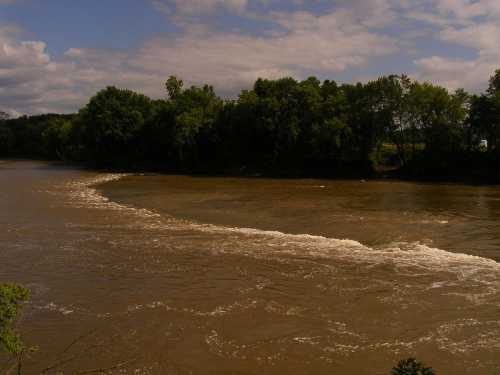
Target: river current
{"points": [[153, 274]]}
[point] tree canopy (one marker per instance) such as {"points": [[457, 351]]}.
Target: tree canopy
{"points": [[282, 126]]}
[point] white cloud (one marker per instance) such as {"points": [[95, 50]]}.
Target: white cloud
{"points": [[329, 43], [471, 24], [450, 73], [31, 81], [195, 7], [484, 37], [468, 9], [351, 34]]}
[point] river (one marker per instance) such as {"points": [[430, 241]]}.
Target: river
{"points": [[156, 274]]}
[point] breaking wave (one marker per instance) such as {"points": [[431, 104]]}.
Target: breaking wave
{"points": [[400, 255]]}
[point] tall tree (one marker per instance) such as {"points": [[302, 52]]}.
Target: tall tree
{"points": [[494, 84], [194, 113], [110, 124], [389, 100]]}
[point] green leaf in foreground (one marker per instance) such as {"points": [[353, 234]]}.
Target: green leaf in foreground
{"points": [[411, 367], [11, 299]]}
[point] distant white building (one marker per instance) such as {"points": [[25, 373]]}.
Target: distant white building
{"points": [[483, 143]]}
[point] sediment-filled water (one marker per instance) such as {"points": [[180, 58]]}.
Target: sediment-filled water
{"points": [[150, 274]]}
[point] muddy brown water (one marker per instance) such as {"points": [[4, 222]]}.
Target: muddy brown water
{"points": [[149, 274]]}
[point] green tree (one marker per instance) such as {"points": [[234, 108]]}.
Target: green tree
{"points": [[437, 118], [191, 118], [332, 136], [494, 84], [411, 367], [276, 124], [6, 135], [367, 122], [110, 125], [57, 139], [6, 140], [485, 120], [281, 125], [485, 115], [174, 87], [12, 298], [388, 98]]}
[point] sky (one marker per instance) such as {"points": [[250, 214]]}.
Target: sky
{"points": [[56, 54]]}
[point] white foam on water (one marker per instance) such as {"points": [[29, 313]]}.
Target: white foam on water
{"points": [[51, 306], [402, 256], [83, 193], [477, 278], [217, 312]]}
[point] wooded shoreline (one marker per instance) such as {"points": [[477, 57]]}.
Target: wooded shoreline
{"points": [[392, 127]]}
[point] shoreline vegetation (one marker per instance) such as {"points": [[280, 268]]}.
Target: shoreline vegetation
{"points": [[392, 127]]}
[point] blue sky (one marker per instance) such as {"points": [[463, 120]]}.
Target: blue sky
{"points": [[63, 24], [55, 54]]}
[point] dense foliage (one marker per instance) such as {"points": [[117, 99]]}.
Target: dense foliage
{"points": [[11, 299], [282, 126], [30, 136], [411, 367]]}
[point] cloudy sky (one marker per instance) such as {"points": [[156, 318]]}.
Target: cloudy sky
{"points": [[55, 54]]}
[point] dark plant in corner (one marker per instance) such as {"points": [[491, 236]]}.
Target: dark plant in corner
{"points": [[411, 367], [12, 298]]}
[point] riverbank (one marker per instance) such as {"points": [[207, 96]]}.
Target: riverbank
{"points": [[381, 173], [280, 128]]}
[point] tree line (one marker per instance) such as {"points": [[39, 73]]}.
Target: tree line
{"points": [[390, 125]]}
